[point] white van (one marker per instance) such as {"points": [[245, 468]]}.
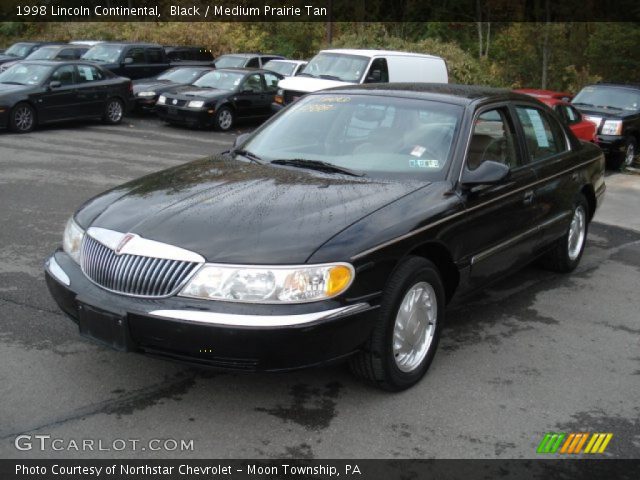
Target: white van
{"points": [[338, 67]]}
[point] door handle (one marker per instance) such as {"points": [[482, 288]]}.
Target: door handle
{"points": [[575, 176], [528, 197]]}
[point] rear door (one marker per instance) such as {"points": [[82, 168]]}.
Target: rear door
{"points": [[550, 155], [498, 230], [92, 90]]}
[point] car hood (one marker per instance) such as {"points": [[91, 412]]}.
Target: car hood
{"points": [[309, 84], [231, 211], [9, 58], [606, 112], [8, 88], [189, 92]]}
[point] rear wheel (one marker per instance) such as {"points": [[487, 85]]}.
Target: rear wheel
{"points": [[113, 111], [405, 338], [224, 119], [565, 255], [22, 118]]}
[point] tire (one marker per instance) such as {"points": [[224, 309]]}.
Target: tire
{"points": [[383, 361], [224, 120], [22, 118], [113, 111], [621, 161], [565, 255]]}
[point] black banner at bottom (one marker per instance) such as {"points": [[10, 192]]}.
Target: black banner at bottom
{"points": [[318, 469]]}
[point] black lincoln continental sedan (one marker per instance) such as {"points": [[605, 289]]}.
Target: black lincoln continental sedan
{"points": [[339, 229], [221, 97], [34, 92], [147, 90]]}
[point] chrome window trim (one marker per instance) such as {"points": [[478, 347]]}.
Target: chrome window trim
{"points": [[462, 212], [142, 247], [258, 321]]}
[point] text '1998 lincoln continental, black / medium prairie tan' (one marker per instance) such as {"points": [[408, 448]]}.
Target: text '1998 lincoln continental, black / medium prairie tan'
{"points": [[339, 229]]}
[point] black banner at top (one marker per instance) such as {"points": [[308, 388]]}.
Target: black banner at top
{"points": [[319, 10]]}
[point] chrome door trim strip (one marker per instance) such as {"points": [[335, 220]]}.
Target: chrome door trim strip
{"points": [[455, 215], [258, 321], [513, 240]]}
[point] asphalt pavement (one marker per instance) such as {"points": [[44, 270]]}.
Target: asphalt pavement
{"points": [[538, 352]]}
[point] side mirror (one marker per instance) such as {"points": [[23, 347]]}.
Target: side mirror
{"points": [[488, 172], [240, 139], [55, 84], [374, 77], [128, 61]]}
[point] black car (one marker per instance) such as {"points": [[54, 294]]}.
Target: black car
{"points": [[339, 229], [184, 53], [147, 90], [245, 60], [34, 92], [21, 50], [52, 52], [615, 109], [220, 98]]}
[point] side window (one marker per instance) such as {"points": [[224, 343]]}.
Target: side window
{"points": [[154, 55], [253, 83], [64, 75], [543, 135], [253, 63], [378, 72], [572, 114], [66, 54], [88, 73], [271, 81], [137, 54], [493, 139]]}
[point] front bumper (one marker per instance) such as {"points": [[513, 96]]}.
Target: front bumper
{"points": [[187, 116], [145, 103], [611, 145], [4, 116], [219, 334]]}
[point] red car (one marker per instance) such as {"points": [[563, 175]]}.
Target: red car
{"points": [[559, 101]]}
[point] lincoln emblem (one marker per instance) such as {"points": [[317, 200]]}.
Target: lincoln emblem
{"points": [[123, 242]]}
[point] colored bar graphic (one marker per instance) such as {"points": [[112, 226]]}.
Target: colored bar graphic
{"points": [[574, 442]]}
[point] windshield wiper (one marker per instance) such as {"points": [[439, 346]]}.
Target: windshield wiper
{"points": [[247, 154], [582, 103], [317, 165], [305, 74], [13, 83], [331, 77]]}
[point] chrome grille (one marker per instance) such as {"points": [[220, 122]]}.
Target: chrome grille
{"points": [[132, 274]]}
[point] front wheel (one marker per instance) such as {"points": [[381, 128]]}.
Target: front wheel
{"points": [[113, 111], [565, 255], [405, 338], [630, 152], [224, 119], [22, 118]]}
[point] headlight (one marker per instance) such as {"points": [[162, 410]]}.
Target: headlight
{"points": [[146, 94], [612, 127], [195, 104], [72, 239], [593, 119], [162, 99], [274, 284]]}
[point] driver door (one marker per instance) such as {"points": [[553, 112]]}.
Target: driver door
{"points": [[61, 102], [250, 96], [498, 230]]}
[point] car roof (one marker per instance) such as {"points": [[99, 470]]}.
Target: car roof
{"points": [[137, 44], [56, 63], [286, 60], [376, 53], [242, 70], [630, 86], [251, 55], [453, 93]]}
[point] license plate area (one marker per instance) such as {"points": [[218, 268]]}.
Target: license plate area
{"points": [[173, 111], [105, 327]]}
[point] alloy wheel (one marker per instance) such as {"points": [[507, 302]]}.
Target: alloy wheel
{"points": [[114, 111], [577, 232], [24, 119], [225, 119], [629, 155]]}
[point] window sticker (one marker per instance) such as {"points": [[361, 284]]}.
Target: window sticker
{"points": [[434, 164], [538, 128], [418, 150]]}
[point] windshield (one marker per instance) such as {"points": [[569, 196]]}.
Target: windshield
{"points": [[283, 68], [608, 97], [44, 53], [220, 80], [18, 50], [103, 53], [20, 74], [181, 75], [380, 136], [337, 66], [228, 61]]}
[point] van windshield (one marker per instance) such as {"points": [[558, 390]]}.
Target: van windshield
{"points": [[337, 66]]}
